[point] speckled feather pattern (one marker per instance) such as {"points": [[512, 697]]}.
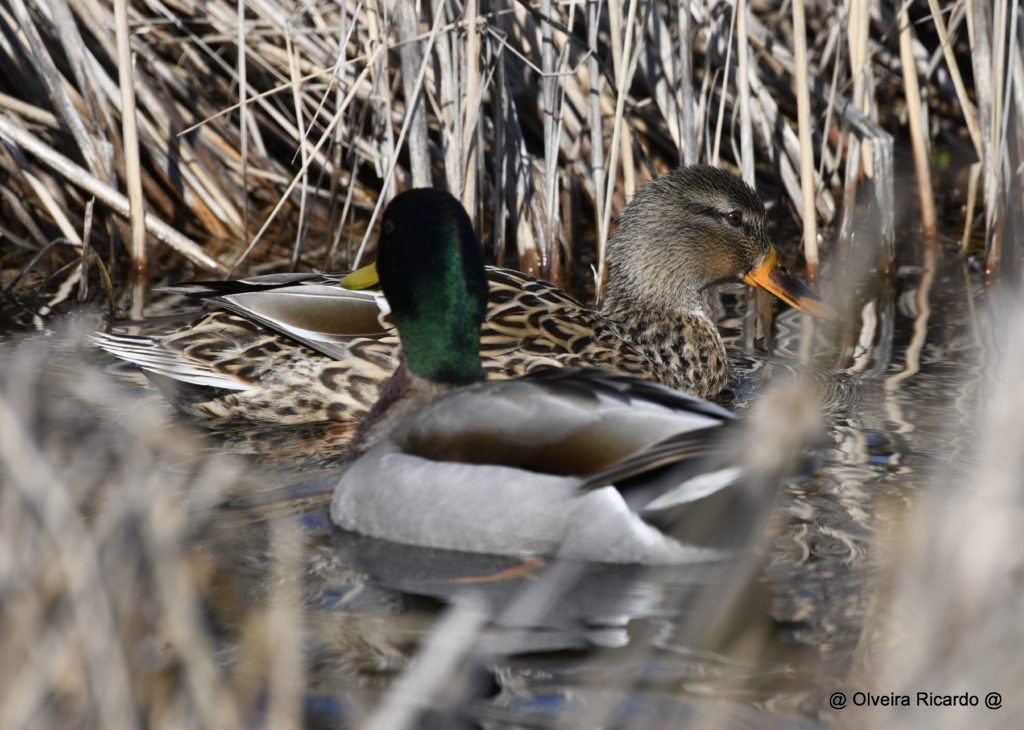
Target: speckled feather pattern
{"points": [[673, 240], [531, 325], [284, 381]]}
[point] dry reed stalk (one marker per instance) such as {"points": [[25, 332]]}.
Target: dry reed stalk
{"points": [[743, 85], [689, 152], [110, 197], [409, 54], [781, 55], [879, 144], [759, 311], [622, 78], [929, 224], [446, 98], [293, 68], [857, 44], [83, 286], [631, 35], [807, 177], [29, 111], [980, 33], [132, 164], [385, 150], [704, 95], [829, 163], [658, 63], [596, 120], [53, 208], [69, 111], [1004, 18], [552, 135], [295, 180], [966, 106], [716, 145], [471, 82]]}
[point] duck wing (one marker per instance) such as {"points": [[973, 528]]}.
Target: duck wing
{"points": [[206, 289], [309, 308], [588, 423]]}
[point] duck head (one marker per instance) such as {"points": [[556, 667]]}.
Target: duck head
{"points": [[689, 229], [432, 274]]}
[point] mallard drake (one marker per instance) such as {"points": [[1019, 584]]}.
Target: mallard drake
{"points": [[582, 463], [294, 348]]}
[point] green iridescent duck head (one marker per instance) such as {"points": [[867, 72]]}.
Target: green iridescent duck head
{"points": [[432, 274]]}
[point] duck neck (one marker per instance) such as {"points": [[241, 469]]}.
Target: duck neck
{"points": [[403, 394], [682, 340]]}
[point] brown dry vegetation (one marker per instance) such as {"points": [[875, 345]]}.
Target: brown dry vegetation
{"points": [[543, 118]]}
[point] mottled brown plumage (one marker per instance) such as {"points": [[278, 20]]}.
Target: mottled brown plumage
{"points": [[278, 349]]}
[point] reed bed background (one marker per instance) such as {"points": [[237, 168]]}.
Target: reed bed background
{"points": [[858, 121], [542, 117]]}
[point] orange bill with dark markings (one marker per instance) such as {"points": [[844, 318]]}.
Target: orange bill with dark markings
{"points": [[776, 279]]}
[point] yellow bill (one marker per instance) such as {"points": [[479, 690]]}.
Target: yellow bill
{"points": [[363, 278], [778, 280]]}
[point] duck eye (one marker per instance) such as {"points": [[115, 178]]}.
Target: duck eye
{"points": [[734, 217], [387, 226]]}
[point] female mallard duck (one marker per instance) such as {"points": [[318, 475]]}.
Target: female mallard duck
{"points": [[580, 462], [295, 348]]}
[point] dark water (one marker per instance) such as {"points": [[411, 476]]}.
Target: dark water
{"points": [[759, 641]]}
